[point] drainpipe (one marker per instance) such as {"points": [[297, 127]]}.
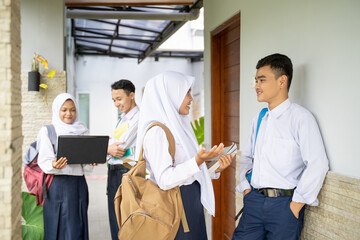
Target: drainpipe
{"points": [[88, 14]]}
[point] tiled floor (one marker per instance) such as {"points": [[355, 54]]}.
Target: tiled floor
{"points": [[98, 213]]}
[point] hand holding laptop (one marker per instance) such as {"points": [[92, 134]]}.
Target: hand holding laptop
{"points": [[59, 163]]}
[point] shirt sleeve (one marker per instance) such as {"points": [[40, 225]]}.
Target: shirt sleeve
{"points": [[87, 168], [315, 159], [246, 160], [156, 153], [214, 175], [46, 153]]}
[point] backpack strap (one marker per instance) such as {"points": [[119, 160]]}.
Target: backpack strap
{"points": [[248, 174], [52, 136], [169, 137], [53, 139], [261, 116], [171, 141]]}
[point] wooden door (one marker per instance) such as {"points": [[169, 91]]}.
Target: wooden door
{"points": [[225, 90]]}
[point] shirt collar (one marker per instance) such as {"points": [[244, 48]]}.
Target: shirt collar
{"points": [[280, 109], [130, 114]]}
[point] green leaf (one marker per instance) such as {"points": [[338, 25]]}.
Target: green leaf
{"points": [[199, 130], [33, 228]]}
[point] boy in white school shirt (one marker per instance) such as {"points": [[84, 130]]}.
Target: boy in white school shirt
{"points": [[122, 145], [288, 163]]}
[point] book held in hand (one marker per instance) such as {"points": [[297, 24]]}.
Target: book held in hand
{"points": [[214, 163]]}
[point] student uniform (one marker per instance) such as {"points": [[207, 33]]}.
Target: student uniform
{"points": [[66, 205], [185, 174], [289, 154], [161, 101], [115, 166]]}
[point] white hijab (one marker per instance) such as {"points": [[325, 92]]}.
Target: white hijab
{"points": [[75, 128], [162, 99]]}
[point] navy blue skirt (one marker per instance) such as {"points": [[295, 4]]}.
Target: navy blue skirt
{"points": [[65, 209], [194, 211]]}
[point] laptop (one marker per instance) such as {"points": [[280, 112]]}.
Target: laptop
{"points": [[84, 149]]}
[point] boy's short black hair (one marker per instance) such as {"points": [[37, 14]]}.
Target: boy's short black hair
{"points": [[125, 85], [280, 64]]}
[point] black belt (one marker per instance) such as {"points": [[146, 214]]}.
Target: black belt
{"points": [[275, 192], [117, 167]]}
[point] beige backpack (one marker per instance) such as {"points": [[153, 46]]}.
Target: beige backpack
{"points": [[143, 210]]}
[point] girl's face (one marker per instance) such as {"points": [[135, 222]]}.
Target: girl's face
{"points": [[185, 105], [68, 112]]}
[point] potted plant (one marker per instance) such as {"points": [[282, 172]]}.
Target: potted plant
{"points": [[34, 75]]}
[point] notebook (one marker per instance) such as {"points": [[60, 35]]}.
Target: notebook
{"points": [[214, 164], [118, 132], [83, 149]]}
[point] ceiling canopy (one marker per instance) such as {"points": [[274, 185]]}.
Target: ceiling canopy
{"points": [[129, 31]]}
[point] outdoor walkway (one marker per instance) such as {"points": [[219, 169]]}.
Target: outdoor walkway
{"points": [[98, 213]]}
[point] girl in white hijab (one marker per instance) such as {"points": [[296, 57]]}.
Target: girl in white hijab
{"points": [[167, 100], [65, 208]]}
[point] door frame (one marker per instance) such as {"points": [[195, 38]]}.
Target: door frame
{"points": [[217, 113]]}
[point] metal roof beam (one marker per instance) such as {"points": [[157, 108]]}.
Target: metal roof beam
{"points": [[169, 30], [92, 14], [110, 55], [117, 38], [74, 3], [114, 45], [115, 34], [125, 25]]}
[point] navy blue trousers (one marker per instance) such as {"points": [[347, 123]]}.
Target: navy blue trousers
{"points": [[113, 183], [268, 218], [194, 211], [65, 209]]}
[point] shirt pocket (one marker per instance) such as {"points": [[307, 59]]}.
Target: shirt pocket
{"points": [[282, 153]]}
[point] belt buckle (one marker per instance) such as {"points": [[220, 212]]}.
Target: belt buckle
{"points": [[272, 193]]}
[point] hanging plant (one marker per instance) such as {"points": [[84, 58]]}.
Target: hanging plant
{"points": [[35, 65]]}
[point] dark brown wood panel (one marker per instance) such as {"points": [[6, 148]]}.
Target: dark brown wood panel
{"points": [[225, 90], [232, 35], [229, 177], [231, 134], [228, 143], [231, 122], [229, 210], [231, 78], [232, 54], [216, 126], [231, 104]]}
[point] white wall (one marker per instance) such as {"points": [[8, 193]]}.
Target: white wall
{"points": [[323, 40], [42, 31], [70, 59], [95, 75], [189, 37]]}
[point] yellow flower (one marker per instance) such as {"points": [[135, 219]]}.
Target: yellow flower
{"points": [[43, 85], [51, 74], [43, 61]]}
